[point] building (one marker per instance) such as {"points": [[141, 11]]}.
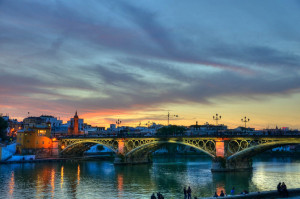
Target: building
{"points": [[94, 130], [13, 125], [207, 128], [32, 139], [76, 125], [55, 123], [33, 122], [57, 126]]}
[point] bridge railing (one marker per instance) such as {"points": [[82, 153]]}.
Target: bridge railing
{"points": [[191, 135]]}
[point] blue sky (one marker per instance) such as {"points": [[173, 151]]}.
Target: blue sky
{"points": [[139, 59]]}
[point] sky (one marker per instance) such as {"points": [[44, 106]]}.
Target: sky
{"points": [[138, 60]]}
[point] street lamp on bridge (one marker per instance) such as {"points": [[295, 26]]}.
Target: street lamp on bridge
{"points": [[217, 118], [245, 120], [118, 122]]}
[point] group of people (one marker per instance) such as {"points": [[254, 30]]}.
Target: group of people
{"points": [[232, 192], [187, 193], [222, 194], [282, 189], [159, 196]]}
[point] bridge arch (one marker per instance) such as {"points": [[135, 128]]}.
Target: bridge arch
{"points": [[255, 150], [75, 144], [150, 144]]}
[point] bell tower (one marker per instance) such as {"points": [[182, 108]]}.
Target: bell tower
{"points": [[76, 129]]}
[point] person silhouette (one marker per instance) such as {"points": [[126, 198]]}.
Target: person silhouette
{"points": [[189, 193]]}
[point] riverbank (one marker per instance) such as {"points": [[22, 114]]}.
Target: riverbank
{"points": [[86, 158], [261, 195]]}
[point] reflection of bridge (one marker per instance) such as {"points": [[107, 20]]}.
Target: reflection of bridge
{"points": [[230, 153]]}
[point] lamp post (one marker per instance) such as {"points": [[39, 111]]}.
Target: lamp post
{"points": [[118, 122], [148, 124], [169, 117], [245, 120], [217, 118]]}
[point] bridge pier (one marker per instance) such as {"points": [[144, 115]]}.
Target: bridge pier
{"points": [[221, 164]]}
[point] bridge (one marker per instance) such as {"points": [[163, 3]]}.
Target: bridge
{"points": [[230, 153]]}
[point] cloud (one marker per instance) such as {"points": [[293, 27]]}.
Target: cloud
{"points": [[129, 56]]}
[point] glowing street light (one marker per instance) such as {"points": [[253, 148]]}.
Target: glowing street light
{"points": [[217, 118], [245, 120]]}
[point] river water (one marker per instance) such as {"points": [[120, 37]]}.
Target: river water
{"points": [[103, 180]]}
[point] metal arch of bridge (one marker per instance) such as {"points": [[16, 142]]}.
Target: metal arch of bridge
{"points": [[209, 150], [73, 143], [132, 145], [234, 147], [255, 147]]}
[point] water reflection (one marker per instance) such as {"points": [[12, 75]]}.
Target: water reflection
{"points": [[239, 180], [11, 184], [99, 179], [120, 185], [61, 176], [78, 174], [52, 182]]}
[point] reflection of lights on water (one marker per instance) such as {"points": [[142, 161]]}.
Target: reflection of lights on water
{"points": [[38, 184], [52, 182], [78, 174], [219, 188], [12, 184], [61, 176], [120, 185]]}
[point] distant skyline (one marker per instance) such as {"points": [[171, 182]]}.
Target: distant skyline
{"points": [[137, 60]]}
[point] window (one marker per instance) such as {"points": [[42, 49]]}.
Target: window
{"points": [[41, 132]]}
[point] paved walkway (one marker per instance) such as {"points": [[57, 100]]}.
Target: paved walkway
{"points": [[293, 193]]}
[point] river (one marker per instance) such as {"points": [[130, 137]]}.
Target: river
{"points": [[101, 179]]}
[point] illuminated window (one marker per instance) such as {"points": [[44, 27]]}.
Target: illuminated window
{"points": [[42, 132]]}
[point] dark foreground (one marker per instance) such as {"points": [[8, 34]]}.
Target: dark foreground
{"points": [[264, 194]]}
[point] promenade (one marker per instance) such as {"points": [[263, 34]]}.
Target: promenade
{"points": [[293, 193]]}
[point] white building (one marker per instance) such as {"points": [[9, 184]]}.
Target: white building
{"points": [[53, 120]]}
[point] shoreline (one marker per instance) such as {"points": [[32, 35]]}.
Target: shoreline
{"points": [[108, 157], [272, 194], [57, 160]]}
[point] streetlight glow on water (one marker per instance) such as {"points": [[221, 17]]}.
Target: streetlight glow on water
{"points": [[101, 179]]}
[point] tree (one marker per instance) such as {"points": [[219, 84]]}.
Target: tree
{"points": [[3, 128], [171, 130]]}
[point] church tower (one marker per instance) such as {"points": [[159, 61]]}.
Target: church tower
{"points": [[76, 129]]}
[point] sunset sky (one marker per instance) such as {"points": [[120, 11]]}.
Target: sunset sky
{"points": [[137, 60]]}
